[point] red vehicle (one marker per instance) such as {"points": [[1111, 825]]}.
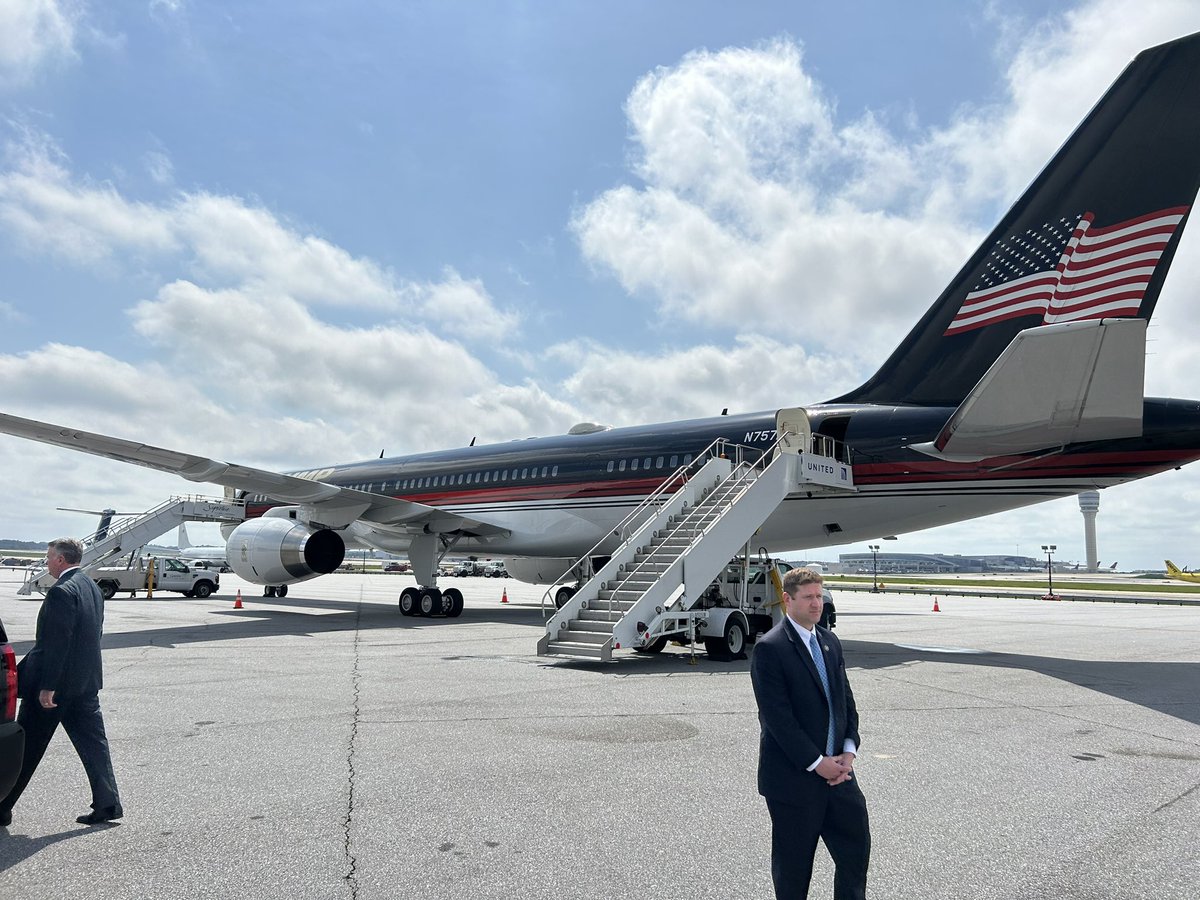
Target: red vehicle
{"points": [[12, 736]]}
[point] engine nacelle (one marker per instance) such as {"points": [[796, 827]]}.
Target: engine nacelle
{"points": [[282, 551]]}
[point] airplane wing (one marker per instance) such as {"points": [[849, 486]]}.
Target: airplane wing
{"points": [[323, 504]]}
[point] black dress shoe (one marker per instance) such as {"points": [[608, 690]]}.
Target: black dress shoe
{"points": [[98, 816]]}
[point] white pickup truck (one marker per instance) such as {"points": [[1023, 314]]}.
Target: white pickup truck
{"points": [[169, 575]]}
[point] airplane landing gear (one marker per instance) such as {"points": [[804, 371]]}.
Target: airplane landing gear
{"points": [[431, 602], [409, 599]]}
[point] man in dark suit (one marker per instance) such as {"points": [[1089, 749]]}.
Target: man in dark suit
{"points": [[807, 749], [59, 681]]}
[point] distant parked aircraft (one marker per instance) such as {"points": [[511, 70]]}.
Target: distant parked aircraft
{"points": [[1173, 571], [214, 553]]}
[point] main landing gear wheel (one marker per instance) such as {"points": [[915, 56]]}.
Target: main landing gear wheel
{"points": [[409, 598], [281, 591], [452, 603], [430, 603], [562, 595], [269, 591]]}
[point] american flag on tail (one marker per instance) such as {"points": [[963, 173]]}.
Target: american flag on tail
{"points": [[1068, 270]]}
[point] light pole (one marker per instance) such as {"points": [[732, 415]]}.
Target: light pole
{"points": [[874, 548], [1049, 551]]}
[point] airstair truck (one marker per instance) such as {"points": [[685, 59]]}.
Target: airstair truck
{"points": [[169, 575]]}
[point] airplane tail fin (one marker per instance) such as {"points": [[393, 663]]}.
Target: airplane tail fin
{"points": [[183, 543], [1172, 569], [1091, 238]]}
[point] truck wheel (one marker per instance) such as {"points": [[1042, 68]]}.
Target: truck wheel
{"points": [[108, 589], [202, 589], [655, 646], [732, 645]]}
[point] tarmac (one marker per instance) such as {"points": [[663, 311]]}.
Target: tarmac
{"points": [[323, 746]]}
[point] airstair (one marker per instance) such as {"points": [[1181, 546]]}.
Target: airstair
{"points": [[682, 536], [125, 535]]}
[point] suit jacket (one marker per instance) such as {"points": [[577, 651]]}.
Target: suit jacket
{"points": [[794, 713], [66, 652]]}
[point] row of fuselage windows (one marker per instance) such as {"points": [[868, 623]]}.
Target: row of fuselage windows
{"points": [[525, 473]]}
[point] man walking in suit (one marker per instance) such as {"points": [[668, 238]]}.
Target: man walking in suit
{"points": [[807, 749], [60, 679]]}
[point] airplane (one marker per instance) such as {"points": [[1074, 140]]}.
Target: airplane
{"points": [[1173, 571], [215, 553], [1022, 383]]}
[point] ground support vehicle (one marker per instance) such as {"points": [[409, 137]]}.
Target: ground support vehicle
{"points": [[169, 575], [743, 603]]}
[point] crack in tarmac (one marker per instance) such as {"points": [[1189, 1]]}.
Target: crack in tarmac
{"points": [[351, 876]]}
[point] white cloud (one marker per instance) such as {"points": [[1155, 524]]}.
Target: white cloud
{"points": [[160, 168], [34, 34], [240, 364], [618, 387], [463, 308], [9, 313], [759, 205]]}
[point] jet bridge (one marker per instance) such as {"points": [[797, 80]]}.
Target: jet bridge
{"points": [[125, 535], [681, 538]]}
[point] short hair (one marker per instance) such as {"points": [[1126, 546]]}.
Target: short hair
{"points": [[794, 579], [69, 549]]}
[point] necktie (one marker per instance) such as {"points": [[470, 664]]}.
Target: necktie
{"points": [[819, 659]]}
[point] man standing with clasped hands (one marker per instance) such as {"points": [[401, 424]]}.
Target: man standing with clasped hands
{"points": [[807, 749]]}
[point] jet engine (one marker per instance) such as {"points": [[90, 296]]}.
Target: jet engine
{"points": [[278, 551]]}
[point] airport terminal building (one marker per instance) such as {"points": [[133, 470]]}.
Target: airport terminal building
{"points": [[936, 563]]}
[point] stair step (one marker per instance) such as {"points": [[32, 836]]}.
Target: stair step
{"points": [[594, 626], [586, 651], [599, 615], [571, 636], [610, 599]]}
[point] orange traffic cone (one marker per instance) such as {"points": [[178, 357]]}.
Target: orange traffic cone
{"points": [[935, 605], [504, 596], [237, 603]]}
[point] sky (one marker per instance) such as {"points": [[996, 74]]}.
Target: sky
{"points": [[289, 235]]}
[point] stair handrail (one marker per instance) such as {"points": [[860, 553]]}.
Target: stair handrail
{"points": [[720, 447], [117, 527], [622, 529], [739, 473]]}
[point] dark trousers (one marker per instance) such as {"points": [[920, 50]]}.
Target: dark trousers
{"points": [[84, 725], [838, 816]]}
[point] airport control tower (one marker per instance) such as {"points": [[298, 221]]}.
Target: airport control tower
{"points": [[1089, 505]]}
